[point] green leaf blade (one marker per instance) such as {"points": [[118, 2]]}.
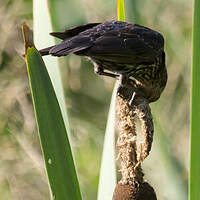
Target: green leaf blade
{"points": [[53, 136], [194, 191]]}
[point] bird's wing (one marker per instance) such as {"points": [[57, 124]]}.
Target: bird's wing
{"points": [[72, 45], [135, 46], [67, 35], [73, 31]]}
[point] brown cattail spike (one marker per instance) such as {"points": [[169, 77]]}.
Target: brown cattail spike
{"points": [[140, 191]]}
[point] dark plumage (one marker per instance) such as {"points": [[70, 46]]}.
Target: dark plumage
{"points": [[123, 49]]}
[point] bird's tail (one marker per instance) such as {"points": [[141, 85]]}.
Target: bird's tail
{"points": [[75, 44], [45, 51]]}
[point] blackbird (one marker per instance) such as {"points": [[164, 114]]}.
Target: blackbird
{"points": [[120, 50]]}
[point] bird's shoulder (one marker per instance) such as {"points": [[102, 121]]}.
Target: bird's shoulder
{"points": [[123, 30]]}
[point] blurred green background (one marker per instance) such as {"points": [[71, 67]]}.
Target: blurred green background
{"points": [[22, 174]]}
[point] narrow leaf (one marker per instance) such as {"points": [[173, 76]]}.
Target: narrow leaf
{"points": [[52, 132], [195, 108], [107, 180], [121, 10]]}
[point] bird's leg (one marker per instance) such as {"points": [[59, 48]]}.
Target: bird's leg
{"points": [[100, 71]]}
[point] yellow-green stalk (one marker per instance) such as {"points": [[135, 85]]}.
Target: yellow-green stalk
{"points": [[120, 10]]}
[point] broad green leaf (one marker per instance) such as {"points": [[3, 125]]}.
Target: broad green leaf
{"points": [[52, 132], [194, 193], [121, 10], [107, 180]]}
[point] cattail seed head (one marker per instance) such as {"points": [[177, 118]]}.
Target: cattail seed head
{"points": [[138, 191]]}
